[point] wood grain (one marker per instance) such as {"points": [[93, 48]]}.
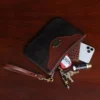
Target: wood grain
{"points": [[20, 20]]}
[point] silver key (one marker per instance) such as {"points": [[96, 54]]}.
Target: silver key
{"points": [[69, 75], [73, 72]]}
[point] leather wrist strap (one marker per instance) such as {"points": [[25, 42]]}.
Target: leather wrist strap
{"points": [[17, 69]]}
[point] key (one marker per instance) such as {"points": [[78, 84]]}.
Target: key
{"points": [[73, 72], [65, 80], [68, 76]]}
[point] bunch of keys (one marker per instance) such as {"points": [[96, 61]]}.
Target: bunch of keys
{"points": [[67, 76]]}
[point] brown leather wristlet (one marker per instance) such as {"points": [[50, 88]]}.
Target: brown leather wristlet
{"points": [[20, 70]]}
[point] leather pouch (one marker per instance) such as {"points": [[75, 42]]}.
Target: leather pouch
{"points": [[52, 43]]}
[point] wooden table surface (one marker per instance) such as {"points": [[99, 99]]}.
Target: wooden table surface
{"points": [[20, 20]]}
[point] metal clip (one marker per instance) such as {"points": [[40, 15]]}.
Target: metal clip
{"points": [[47, 79], [51, 79]]}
